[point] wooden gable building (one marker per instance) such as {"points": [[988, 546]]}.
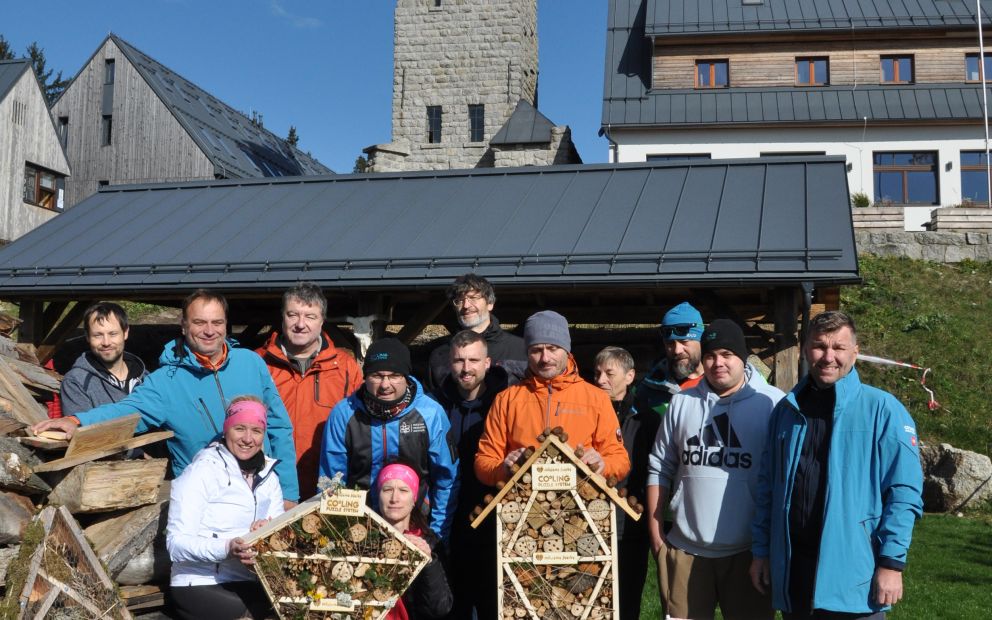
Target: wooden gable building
{"points": [[33, 166], [126, 118]]}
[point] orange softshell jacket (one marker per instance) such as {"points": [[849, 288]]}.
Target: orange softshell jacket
{"points": [[521, 412], [309, 399]]}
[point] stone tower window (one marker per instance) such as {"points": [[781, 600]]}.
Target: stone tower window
{"points": [[434, 124], [476, 123]]}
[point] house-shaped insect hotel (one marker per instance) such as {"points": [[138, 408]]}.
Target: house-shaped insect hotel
{"points": [[556, 536], [333, 557]]}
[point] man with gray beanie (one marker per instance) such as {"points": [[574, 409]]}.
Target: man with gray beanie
{"points": [[390, 416], [708, 449], [551, 395]]}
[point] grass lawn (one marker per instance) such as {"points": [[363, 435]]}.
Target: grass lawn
{"points": [[949, 574]]}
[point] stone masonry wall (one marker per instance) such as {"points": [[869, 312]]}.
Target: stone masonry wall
{"points": [[459, 53], [942, 247], [559, 152]]}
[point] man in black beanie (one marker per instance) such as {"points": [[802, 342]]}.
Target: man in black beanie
{"points": [[390, 416]]}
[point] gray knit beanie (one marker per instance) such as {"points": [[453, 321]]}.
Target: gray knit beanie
{"points": [[547, 327]]}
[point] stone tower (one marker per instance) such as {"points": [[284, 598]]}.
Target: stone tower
{"points": [[459, 69]]}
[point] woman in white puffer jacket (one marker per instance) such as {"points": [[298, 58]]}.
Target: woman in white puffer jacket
{"points": [[228, 490]]}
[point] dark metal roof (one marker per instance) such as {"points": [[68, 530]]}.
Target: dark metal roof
{"points": [[840, 104], [237, 147], [525, 126], [629, 101], [10, 72], [708, 223], [666, 17]]}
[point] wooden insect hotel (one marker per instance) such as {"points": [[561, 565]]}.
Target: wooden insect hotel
{"points": [[556, 536], [333, 557]]}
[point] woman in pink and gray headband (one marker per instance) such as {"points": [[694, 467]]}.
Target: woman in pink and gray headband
{"points": [[429, 596], [228, 490]]}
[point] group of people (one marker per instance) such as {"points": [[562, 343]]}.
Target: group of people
{"points": [[756, 500]]}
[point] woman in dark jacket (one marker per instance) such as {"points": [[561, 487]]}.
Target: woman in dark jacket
{"points": [[429, 596]]}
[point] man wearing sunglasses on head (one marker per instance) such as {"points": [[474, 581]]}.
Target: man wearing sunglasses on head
{"points": [[681, 369]]}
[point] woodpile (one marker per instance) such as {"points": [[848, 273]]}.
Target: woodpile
{"points": [[556, 535], [333, 557], [51, 489]]}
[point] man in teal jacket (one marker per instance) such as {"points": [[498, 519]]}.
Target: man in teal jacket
{"points": [[198, 376], [840, 488]]}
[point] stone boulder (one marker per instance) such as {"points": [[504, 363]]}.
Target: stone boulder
{"points": [[954, 479]]}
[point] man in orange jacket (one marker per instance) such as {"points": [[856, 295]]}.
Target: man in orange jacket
{"points": [[553, 394], [310, 373]]}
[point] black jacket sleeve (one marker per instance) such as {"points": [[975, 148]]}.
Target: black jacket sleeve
{"points": [[430, 595]]}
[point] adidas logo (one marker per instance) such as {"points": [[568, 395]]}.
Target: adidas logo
{"points": [[717, 446]]}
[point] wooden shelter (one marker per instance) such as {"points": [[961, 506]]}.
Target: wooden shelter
{"points": [[752, 240]]}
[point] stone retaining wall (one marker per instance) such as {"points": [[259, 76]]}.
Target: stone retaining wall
{"points": [[941, 247]]}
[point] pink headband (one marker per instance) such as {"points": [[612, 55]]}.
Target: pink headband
{"points": [[401, 472], [245, 412]]}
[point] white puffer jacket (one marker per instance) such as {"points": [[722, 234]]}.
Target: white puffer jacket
{"points": [[210, 504]]}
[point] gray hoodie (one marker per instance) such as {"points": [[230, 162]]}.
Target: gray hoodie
{"points": [[707, 455], [88, 384]]}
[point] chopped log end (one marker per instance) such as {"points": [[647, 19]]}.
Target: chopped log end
{"points": [[529, 452], [639, 509], [500, 484], [541, 438], [563, 436], [477, 511], [631, 500], [611, 481], [488, 498], [622, 492], [557, 431], [515, 468]]}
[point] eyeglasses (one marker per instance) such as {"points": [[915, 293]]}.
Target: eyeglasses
{"points": [[380, 378], [681, 330], [461, 299]]}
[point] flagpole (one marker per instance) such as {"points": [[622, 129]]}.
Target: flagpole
{"points": [[985, 101]]}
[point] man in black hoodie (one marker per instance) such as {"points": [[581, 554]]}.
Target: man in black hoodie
{"points": [[473, 299], [466, 394], [106, 373]]}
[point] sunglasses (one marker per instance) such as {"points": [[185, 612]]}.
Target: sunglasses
{"points": [[678, 331]]}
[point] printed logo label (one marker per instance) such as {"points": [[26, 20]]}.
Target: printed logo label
{"points": [[559, 557], [413, 427], [717, 446], [553, 477], [344, 502]]}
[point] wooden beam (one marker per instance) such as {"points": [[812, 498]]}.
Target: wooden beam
{"points": [[786, 313], [31, 322], [421, 318], [26, 408], [136, 442], [58, 333], [53, 312]]}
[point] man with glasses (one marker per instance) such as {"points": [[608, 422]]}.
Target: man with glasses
{"points": [[312, 375], [388, 418], [682, 367], [473, 299]]}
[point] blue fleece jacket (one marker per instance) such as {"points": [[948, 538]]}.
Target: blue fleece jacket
{"points": [[358, 444], [184, 397], [873, 497]]}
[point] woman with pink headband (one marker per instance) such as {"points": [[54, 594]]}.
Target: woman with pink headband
{"points": [[429, 596], [228, 490]]}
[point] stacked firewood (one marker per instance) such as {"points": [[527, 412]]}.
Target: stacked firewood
{"points": [[75, 498]]}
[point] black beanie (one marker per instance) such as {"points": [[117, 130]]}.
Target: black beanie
{"points": [[389, 355], [724, 334]]}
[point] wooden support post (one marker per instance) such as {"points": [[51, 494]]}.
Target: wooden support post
{"points": [[55, 336], [53, 311], [421, 319], [786, 313], [32, 318]]}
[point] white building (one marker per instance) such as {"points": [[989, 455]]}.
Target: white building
{"points": [[894, 87]]}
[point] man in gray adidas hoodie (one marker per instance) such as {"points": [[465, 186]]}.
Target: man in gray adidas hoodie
{"points": [[705, 460], [106, 373]]}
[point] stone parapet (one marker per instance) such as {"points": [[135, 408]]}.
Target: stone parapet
{"points": [[941, 247]]}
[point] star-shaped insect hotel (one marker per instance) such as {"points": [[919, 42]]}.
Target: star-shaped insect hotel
{"points": [[333, 557], [556, 536]]}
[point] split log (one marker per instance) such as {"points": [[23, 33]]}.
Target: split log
{"points": [[25, 407], [151, 565], [8, 425], [16, 469], [36, 376], [121, 537], [16, 512], [96, 487]]}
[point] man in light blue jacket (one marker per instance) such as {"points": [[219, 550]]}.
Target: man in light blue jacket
{"points": [[190, 391], [840, 488]]}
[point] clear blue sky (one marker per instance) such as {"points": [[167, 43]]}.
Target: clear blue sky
{"points": [[324, 66]]}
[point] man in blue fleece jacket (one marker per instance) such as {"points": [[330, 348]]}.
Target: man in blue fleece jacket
{"points": [[840, 488], [198, 375]]}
